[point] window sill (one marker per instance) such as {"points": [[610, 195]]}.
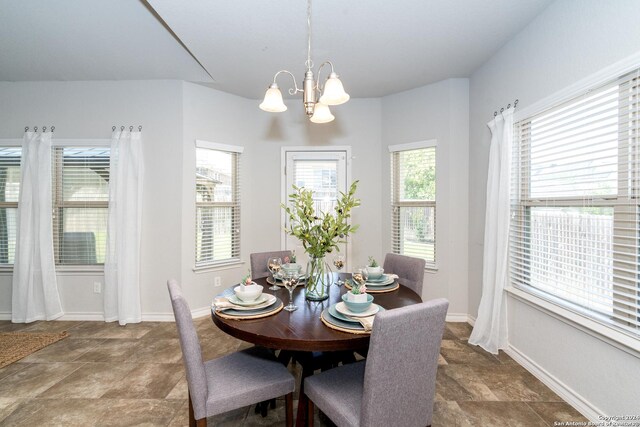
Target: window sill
{"points": [[600, 330], [69, 270], [431, 269], [218, 267]]}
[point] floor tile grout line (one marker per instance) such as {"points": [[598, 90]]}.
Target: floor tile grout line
{"points": [[61, 379], [536, 412]]}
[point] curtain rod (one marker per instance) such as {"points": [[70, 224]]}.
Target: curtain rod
{"points": [[35, 128], [515, 104], [113, 128]]}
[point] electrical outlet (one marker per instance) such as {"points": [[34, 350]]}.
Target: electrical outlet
{"points": [[97, 287], [217, 282]]}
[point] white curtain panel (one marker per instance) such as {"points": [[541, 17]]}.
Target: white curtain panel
{"points": [[122, 260], [490, 330], [35, 290]]}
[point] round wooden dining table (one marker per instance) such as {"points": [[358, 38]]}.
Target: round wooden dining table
{"points": [[301, 334], [302, 330]]}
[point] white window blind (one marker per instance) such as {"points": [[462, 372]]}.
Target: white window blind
{"points": [[9, 193], [320, 176], [413, 203], [217, 206], [80, 204], [575, 225]]}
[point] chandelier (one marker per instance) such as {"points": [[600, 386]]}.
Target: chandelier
{"points": [[316, 98]]}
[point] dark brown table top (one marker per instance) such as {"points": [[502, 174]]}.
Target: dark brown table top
{"points": [[302, 330]]}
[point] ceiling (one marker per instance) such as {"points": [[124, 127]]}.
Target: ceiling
{"points": [[378, 47]]}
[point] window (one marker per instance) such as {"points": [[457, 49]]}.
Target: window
{"points": [[9, 193], [80, 204], [413, 200], [324, 171], [575, 204], [217, 204]]}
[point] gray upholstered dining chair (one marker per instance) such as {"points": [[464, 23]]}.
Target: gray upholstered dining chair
{"points": [[259, 262], [410, 270], [396, 384], [229, 382]]}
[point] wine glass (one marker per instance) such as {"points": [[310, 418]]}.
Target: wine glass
{"points": [[290, 281], [360, 276], [274, 265], [338, 262]]}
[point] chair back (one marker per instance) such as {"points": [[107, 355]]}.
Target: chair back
{"points": [[401, 366], [259, 262], [191, 353], [410, 270]]}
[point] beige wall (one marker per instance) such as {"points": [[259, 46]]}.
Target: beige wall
{"points": [[438, 111]]}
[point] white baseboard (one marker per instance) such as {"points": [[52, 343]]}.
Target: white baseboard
{"points": [[471, 320], [83, 316], [569, 395], [201, 312], [98, 316], [457, 317]]}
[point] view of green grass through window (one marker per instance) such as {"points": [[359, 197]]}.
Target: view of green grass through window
{"points": [[414, 203]]}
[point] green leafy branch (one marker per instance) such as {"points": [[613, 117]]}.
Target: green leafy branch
{"points": [[320, 233]]}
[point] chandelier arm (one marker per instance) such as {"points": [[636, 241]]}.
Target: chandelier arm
{"points": [[293, 90], [318, 86]]}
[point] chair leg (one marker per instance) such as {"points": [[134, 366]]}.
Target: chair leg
{"points": [[272, 404], [310, 412], [192, 419], [288, 400]]}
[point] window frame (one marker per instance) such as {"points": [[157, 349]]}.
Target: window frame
{"points": [[589, 321], [9, 205], [62, 269], [235, 205], [397, 204], [58, 204]]}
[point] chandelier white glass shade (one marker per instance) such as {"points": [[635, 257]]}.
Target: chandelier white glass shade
{"points": [[316, 97], [273, 100], [321, 113]]}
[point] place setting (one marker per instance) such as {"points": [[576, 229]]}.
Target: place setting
{"points": [[374, 278], [355, 313], [280, 268], [245, 301]]}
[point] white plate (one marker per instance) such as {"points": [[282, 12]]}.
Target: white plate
{"points": [[342, 309], [383, 283], [260, 300]]}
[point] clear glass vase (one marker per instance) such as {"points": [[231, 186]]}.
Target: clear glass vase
{"points": [[319, 277]]}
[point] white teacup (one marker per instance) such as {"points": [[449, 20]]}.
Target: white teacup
{"points": [[375, 272]]}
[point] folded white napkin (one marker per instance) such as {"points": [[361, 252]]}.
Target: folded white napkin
{"points": [[366, 322], [222, 304]]}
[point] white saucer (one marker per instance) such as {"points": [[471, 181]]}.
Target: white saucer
{"points": [[260, 300], [342, 309]]}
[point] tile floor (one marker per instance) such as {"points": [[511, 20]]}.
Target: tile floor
{"points": [[107, 375]]}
